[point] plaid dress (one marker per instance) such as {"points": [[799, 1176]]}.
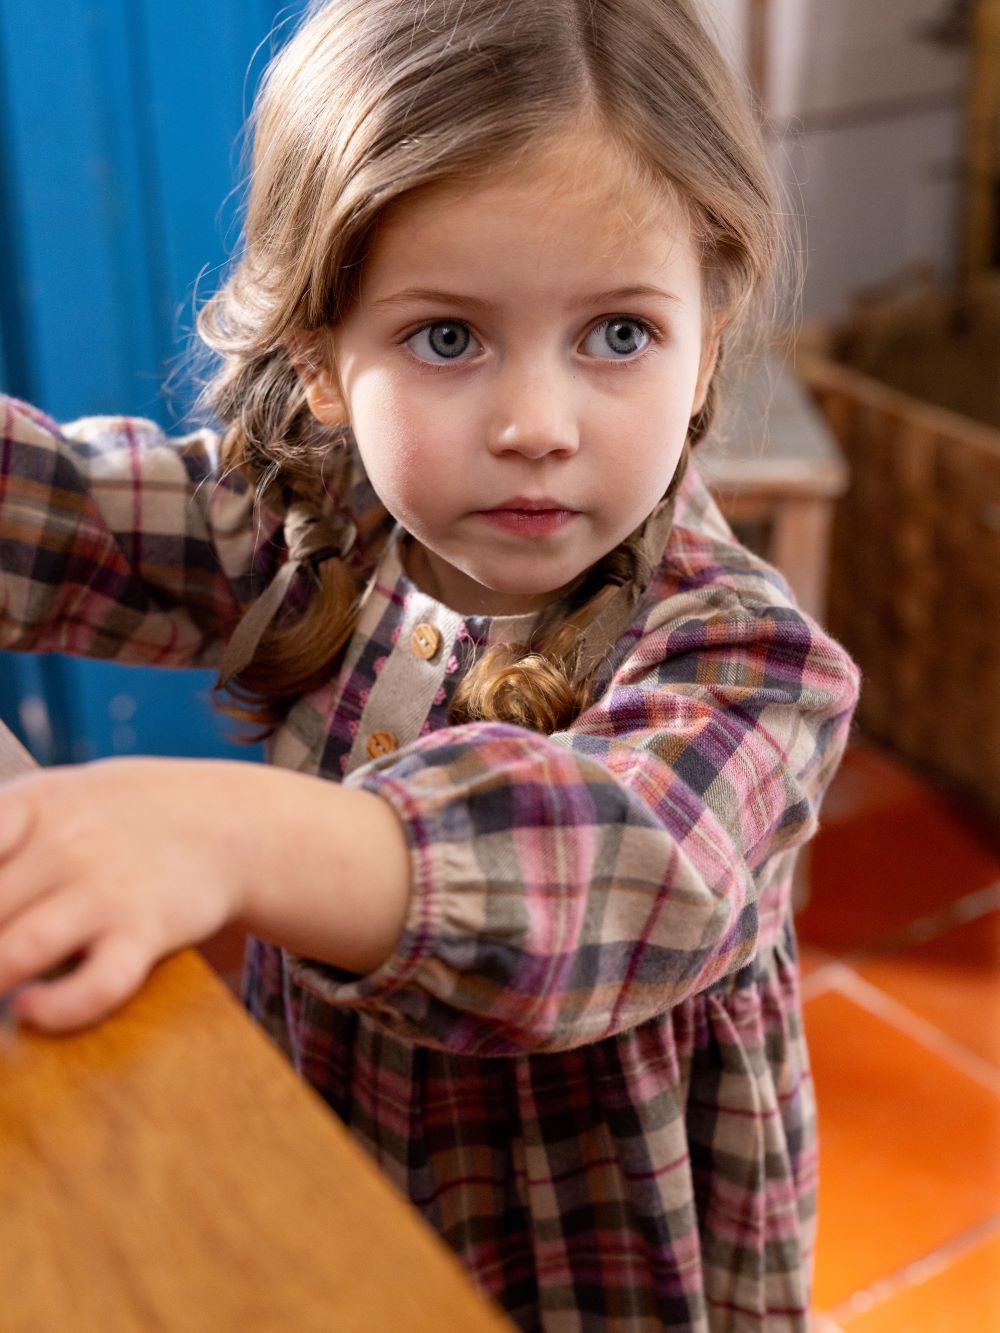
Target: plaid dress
{"points": [[584, 1062]]}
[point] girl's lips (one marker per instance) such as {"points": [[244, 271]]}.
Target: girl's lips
{"points": [[529, 522]]}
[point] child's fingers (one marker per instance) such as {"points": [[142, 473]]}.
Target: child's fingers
{"points": [[27, 868], [113, 970], [25, 880], [16, 821], [48, 931]]}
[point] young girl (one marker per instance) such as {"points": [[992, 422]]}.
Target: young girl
{"points": [[546, 739]]}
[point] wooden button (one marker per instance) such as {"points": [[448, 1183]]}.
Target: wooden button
{"points": [[425, 641], [381, 743]]}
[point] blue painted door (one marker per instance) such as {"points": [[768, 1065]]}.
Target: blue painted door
{"points": [[119, 173]]}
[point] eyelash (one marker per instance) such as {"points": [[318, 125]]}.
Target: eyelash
{"points": [[655, 335]]}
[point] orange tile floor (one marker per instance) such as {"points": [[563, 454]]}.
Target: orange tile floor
{"points": [[900, 942]]}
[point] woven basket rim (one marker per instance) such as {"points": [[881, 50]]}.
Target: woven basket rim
{"points": [[822, 371]]}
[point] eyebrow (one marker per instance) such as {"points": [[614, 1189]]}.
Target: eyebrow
{"points": [[438, 297]]}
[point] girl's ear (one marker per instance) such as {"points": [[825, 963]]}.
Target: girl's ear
{"points": [[709, 360], [326, 402]]}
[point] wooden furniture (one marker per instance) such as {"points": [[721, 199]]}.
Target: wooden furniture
{"points": [[915, 592], [776, 472], [168, 1170], [981, 214]]}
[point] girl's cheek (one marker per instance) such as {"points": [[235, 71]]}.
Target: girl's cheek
{"points": [[404, 480], [388, 446]]}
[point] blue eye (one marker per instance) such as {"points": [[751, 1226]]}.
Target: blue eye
{"points": [[445, 341], [617, 339]]}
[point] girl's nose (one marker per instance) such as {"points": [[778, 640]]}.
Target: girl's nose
{"points": [[534, 415]]}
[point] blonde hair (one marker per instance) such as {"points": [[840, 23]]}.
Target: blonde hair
{"points": [[374, 99]]}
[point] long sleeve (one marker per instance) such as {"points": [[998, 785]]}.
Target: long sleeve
{"points": [[118, 542], [572, 887]]}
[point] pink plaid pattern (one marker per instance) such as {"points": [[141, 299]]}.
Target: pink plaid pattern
{"points": [[584, 1063]]}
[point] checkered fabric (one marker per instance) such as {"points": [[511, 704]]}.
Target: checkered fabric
{"points": [[584, 1062]]}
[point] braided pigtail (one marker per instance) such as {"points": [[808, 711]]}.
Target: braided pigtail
{"points": [[276, 653], [268, 646]]}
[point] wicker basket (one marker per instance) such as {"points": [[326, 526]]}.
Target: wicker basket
{"points": [[915, 563]]}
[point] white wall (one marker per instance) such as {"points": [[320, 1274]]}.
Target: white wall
{"points": [[827, 56], [874, 200], [866, 121]]}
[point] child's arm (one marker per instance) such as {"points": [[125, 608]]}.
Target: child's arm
{"points": [[118, 542], [567, 888], [127, 860], [501, 891]]}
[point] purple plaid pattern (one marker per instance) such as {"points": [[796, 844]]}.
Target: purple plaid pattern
{"points": [[584, 1063]]}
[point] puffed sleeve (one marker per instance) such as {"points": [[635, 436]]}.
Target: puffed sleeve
{"points": [[570, 887], [119, 542]]}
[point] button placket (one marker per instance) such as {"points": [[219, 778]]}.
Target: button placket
{"points": [[408, 681]]}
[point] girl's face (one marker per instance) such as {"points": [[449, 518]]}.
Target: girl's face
{"points": [[519, 371]]}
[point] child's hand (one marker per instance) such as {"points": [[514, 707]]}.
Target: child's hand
{"points": [[122, 861]]}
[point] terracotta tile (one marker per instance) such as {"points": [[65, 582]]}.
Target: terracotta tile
{"points": [[890, 849], [963, 1295], [869, 778], [909, 1148], [811, 960], [952, 980]]}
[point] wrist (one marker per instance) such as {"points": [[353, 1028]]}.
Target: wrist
{"points": [[325, 870]]}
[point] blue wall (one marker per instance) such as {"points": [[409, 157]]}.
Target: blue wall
{"points": [[119, 168]]}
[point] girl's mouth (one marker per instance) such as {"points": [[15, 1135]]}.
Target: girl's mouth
{"points": [[529, 522]]}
